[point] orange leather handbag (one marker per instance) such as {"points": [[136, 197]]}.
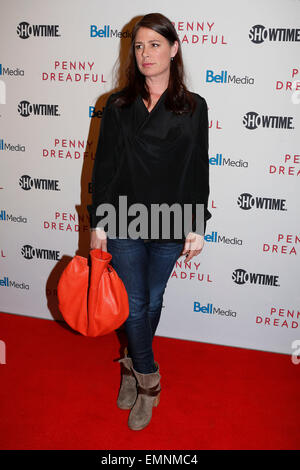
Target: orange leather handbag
{"points": [[93, 300]]}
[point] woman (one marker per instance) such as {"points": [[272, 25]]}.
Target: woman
{"points": [[153, 148]]}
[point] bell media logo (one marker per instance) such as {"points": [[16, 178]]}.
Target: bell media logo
{"points": [[10, 147], [11, 72], [6, 282], [226, 78], [6, 217], [220, 160], [260, 33], [25, 30], [211, 310], [253, 120], [214, 237], [107, 32]]}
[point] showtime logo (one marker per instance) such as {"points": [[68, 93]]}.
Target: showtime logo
{"points": [[25, 109], [259, 34], [240, 277], [25, 30], [252, 120], [211, 310], [246, 202], [40, 253], [27, 183]]}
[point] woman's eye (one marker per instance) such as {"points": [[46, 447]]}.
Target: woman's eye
{"points": [[154, 44]]}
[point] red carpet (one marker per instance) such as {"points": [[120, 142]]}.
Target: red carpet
{"points": [[59, 389]]}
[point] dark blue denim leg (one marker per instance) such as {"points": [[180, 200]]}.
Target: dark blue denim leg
{"points": [[145, 269], [130, 260], [162, 258]]}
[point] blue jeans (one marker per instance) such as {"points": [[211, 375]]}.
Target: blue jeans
{"points": [[144, 268]]}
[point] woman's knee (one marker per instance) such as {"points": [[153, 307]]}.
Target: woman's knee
{"points": [[155, 303], [137, 308]]}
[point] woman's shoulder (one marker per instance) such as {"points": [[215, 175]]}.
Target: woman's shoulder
{"points": [[201, 105], [199, 98], [112, 97]]}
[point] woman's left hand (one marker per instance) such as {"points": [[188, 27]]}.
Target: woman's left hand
{"points": [[193, 246]]}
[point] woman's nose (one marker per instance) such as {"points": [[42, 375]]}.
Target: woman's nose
{"points": [[145, 52]]}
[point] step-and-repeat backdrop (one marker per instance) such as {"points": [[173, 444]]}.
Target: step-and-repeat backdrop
{"points": [[59, 62]]}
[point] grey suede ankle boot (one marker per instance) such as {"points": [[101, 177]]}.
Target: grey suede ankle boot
{"points": [[128, 389], [148, 396]]}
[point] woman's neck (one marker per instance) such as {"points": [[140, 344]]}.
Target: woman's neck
{"points": [[157, 86]]}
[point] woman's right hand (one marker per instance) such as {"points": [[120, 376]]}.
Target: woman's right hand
{"points": [[98, 239]]}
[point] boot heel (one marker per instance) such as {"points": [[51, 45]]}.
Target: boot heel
{"points": [[128, 389], [148, 387]]}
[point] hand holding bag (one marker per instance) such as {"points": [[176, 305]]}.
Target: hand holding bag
{"points": [[92, 300]]}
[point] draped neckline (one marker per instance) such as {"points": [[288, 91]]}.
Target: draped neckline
{"points": [[156, 104]]}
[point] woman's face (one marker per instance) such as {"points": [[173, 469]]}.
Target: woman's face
{"points": [[153, 52]]}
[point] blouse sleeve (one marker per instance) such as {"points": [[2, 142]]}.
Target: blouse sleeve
{"points": [[104, 165], [202, 189]]}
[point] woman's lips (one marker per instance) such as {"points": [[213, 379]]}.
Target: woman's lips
{"points": [[147, 64]]}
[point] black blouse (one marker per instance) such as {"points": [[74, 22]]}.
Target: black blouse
{"points": [[151, 157]]}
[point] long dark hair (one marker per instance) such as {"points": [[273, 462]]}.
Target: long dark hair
{"points": [[178, 99]]}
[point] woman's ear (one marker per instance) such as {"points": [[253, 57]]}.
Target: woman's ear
{"points": [[174, 48]]}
